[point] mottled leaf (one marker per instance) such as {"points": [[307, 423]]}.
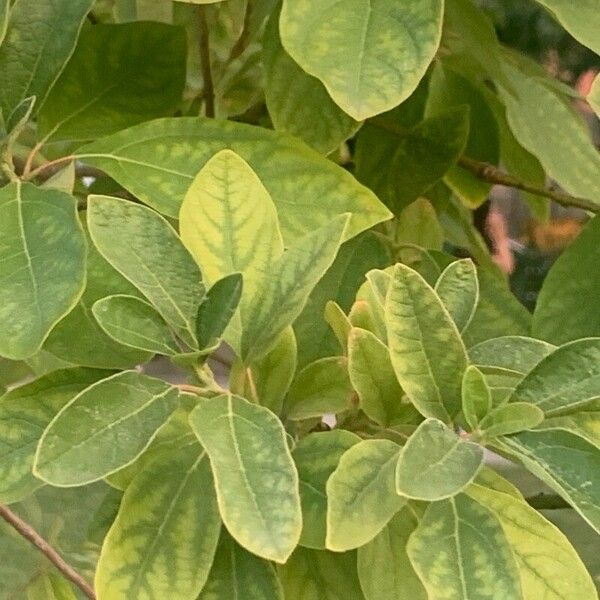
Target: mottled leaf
{"points": [[458, 289], [476, 397], [511, 418]]}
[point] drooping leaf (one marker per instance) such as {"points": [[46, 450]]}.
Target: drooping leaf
{"points": [[344, 46], [435, 463], [39, 40], [104, 428], [236, 573], [119, 75], [559, 315], [133, 322], [163, 541], [425, 346], [361, 496], [460, 551], [255, 476], [285, 291], [384, 569], [317, 456], [24, 414], [511, 418], [458, 289], [42, 265], [157, 162], [566, 379], [476, 397], [299, 103], [320, 388], [123, 231], [320, 575], [548, 565]]}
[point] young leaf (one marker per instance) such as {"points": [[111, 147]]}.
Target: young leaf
{"points": [[163, 541], [347, 58], [425, 346], [384, 569], [217, 309], [360, 494], [317, 456], [511, 418], [458, 289], [476, 397], [158, 160], [119, 75], [133, 322], [42, 265], [567, 379], [134, 240], [236, 573], [102, 429], [460, 551], [39, 40], [255, 476], [548, 564], [24, 413], [320, 388], [435, 463], [340, 324], [373, 378], [285, 292]]}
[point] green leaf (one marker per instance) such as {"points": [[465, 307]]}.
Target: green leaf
{"points": [[217, 309], [133, 322], [384, 569], [566, 462], [593, 98], [285, 291], [42, 265], [549, 566], [298, 103], [373, 56], [4, 16], [372, 376], [584, 424], [425, 346], [255, 476], [157, 162], [361, 495], [436, 463], [581, 20], [317, 456], [460, 551], [511, 418], [39, 40], [319, 575], [476, 397], [559, 315], [24, 414], [64, 180], [236, 573], [104, 428], [458, 289], [417, 225], [163, 541], [567, 379], [119, 75], [339, 323], [134, 240], [320, 388]]}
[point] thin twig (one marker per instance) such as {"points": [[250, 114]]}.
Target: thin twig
{"points": [[209, 88], [493, 175], [32, 536], [190, 389], [242, 42], [31, 156], [547, 502], [49, 165]]}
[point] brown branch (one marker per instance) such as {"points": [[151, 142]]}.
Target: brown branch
{"points": [[53, 166], [209, 89], [547, 502], [32, 536], [493, 175], [242, 42]]}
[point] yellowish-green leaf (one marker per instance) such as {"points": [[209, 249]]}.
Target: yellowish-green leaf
{"points": [[584, 424], [42, 265], [163, 541], [511, 418], [104, 428], [458, 289], [460, 551], [370, 56], [435, 463], [593, 97], [255, 476], [427, 352], [361, 494], [476, 396]]}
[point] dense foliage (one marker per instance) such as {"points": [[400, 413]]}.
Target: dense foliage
{"points": [[266, 196]]}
